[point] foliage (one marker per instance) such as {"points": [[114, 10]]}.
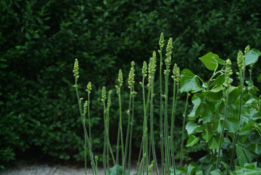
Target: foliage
{"points": [[225, 117], [39, 40]]}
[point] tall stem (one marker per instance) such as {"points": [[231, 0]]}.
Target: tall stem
{"points": [[145, 127], [151, 125], [223, 128], [161, 118], [183, 131], [85, 135], [172, 126]]}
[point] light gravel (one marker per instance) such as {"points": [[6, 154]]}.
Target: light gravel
{"points": [[22, 168]]}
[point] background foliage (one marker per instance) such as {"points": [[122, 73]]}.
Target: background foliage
{"points": [[39, 41]]}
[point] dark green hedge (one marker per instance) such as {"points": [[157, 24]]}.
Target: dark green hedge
{"points": [[39, 41]]}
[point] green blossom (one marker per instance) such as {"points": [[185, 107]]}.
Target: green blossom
{"points": [[76, 69], [240, 60]]}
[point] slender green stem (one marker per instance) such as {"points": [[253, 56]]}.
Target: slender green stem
{"points": [[166, 127], [131, 128], [183, 131], [161, 112], [151, 125], [86, 138], [223, 128], [105, 138], [239, 117], [172, 127], [121, 132], [118, 144], [128, 130], [89, 119]]}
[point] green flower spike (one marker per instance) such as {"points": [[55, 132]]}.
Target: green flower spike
{"points": [[176, 73], [144, 69], [76, 69], [240, 60], [131, 80], [228, 73], [247, 49], [161, 41], [109, 98], [103, 98], [89, 87], [168, 56], [120, 80]]}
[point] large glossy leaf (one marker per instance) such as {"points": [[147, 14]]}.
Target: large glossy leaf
{"points": [[117, 170], [211, 61], [219, 80], [192, 140], [232, 124], [196, 100], [207, 136], [241, 155], [193, 127], [216, 172], [251, 57], [192, 168], [214, 142], [249, 113], [189, 81], [206, 110]]}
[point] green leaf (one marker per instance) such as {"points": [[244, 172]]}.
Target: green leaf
{"points": [[232, 124], [214, 142], [213, 94], [210, 61], [207, 136], [192, 140], [189, 81], [216, 172], [192, 168], [196, 100], [117, 170], [241, 157], [219, 80], [251, 57], [193, 127]]}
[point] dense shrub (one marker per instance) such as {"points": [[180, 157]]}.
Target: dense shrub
{"points": [[39, 41]]}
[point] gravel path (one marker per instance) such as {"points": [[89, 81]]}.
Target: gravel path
{"points": [[45, 169]]}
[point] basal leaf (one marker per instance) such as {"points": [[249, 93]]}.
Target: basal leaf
{"points": [[192, 140], [251, 57], [189, 81]]}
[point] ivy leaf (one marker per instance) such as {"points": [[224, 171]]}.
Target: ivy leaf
{"points": [[251, 57], [189, 81], [211, 61], [193, 127], [192, 140]]}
